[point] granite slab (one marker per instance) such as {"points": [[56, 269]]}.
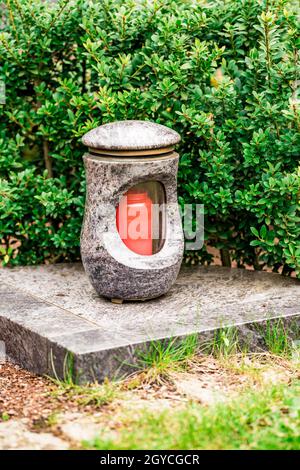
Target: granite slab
{"points": [[50, 312]]}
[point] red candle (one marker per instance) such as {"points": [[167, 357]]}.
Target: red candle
{"points": [[134, 221]]}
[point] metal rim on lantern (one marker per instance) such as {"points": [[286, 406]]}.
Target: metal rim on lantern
{"points": [[151, 153]]}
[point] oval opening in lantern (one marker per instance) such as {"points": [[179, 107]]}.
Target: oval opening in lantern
{"points": [[141, 216]]}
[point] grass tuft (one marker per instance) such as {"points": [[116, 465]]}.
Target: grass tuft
{"points": [[225, 343], [4, 416], [93, 394], [276, 337], [165, 356]]}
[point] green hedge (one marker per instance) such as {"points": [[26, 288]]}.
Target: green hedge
{"points": [[221, 73]]}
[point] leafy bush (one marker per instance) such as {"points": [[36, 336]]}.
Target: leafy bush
{"points": [[223, 74]]}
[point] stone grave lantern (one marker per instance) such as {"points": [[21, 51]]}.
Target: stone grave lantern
{"points": [[131, 240]]}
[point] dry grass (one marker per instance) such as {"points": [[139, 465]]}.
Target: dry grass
{"points": [[203, 379]]}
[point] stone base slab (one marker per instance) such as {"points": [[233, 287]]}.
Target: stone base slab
{"points": [[50, 316]]}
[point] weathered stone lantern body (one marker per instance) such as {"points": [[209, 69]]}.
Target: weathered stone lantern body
{"points": [[131, 168]]}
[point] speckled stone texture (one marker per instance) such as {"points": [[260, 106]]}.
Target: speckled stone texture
{"points": [[49, 311], [130, 135], [113, 269]]}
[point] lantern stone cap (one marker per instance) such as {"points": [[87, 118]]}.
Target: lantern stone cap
{"points": [[131, 135]]}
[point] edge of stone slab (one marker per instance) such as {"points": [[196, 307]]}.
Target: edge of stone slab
{"points": [[92, 360], [123, 360], [49, 357]]}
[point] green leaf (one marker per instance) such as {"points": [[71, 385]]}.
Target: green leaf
{"points": [[254, 231]]}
